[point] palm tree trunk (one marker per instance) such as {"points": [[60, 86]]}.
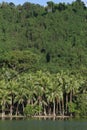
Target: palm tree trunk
{"points": [[44, 110], [60, 109], [3, 113], [11, 110], [23, 107], [57, 106], [66, 103], [17, 109], [49, 109], [3, 110], [40, 104], [28, 101], [71, 94], [39, 107], [63, 107], [11, 107], [54, 108]]}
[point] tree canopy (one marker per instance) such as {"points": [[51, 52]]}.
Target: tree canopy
{"points": [[43, 58], [58, 37]]}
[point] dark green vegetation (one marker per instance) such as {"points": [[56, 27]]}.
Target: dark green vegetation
{"points": [[43, 59]]}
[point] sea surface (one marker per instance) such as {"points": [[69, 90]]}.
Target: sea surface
{"points": [[33, 124]]}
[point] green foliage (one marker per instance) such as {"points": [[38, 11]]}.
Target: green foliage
{"points": [[36, 44], [82, 105], [31, 110], [72, 107], [39, 92], [60, 32], [19, 60]]}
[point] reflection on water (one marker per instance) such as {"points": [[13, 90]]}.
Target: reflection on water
{"points": [[43, 125]]}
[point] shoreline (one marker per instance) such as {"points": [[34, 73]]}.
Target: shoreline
{"points": [[52, 116], [40, 117]]}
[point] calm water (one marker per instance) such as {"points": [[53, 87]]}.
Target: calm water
{"points": [[43, 125]]}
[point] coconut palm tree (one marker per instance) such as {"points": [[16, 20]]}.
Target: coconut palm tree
{"points": [[12, 88], [20, 99], [71, 84], [39, 90], [54, 92], [59, 91], [21, 94], [30, 88], [4, 98]]}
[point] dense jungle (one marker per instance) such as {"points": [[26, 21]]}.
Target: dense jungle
{"points": [[43, 59]]}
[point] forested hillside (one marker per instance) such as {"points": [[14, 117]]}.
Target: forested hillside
{"points": [[55, 35], [49, 40]]}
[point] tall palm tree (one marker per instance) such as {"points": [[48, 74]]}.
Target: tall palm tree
{"points": [[59, 87], [4, 98], [12, 88], [20, 99], [72, 84], [66, 90], [39, 90], [30, 88], [45, 82], [21, 94]]}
